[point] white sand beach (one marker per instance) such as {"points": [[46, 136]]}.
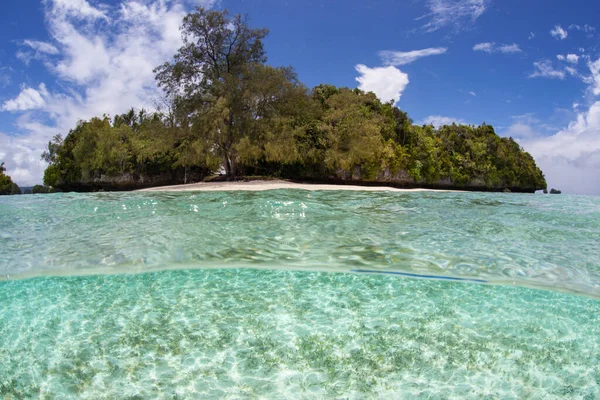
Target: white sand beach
{"points": [[260, 185]]}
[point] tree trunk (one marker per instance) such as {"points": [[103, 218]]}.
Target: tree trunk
{"points": [[233, 167], [227, 165]]}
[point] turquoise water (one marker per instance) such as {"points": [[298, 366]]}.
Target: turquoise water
{"points": [[514, 312]]}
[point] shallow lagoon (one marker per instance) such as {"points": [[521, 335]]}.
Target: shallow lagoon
{"points": [[283, 333]]}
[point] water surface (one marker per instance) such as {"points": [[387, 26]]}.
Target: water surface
{"points": [[518, 239]]}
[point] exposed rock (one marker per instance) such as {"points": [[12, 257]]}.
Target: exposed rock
{"points": [[402, 179], [555, 191], [130, 181]]}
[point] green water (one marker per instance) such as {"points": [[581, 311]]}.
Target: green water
{"points": [[213, 330]]}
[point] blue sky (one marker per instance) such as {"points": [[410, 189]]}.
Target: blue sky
{"points": [[530, 68]]}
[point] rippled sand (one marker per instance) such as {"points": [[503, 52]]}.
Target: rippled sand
{"points": [[237, 334], [276, 184]]}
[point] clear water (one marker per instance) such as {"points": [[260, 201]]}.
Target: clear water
{"points": [[217, 330]]}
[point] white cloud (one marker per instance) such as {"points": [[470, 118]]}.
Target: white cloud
{"points": [[79, 9], [42, 47], [439, 120], [509, 48], [37, 50], [584, 28], [573, 58], [28, 99], [490, 47], [456, 14], [558, 33], [387, 83], [572, 71], [570, 158], [401, 58], [531, 35], [544, 69], [5, 76], [595, 78], [104, 64], [21, 155], [520, 130]]}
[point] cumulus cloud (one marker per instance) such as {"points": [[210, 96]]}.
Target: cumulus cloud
{"points": [[558, 33], [572, 58], [406, 57], [491, 47], [439, 120], [21, 155], [28, 99], [103, 64], [456, 14], [571, 157], [544, 69], [387, 83]]}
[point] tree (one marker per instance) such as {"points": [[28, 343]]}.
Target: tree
{"points": [[209, 74], [39, 189], [7, 186]]}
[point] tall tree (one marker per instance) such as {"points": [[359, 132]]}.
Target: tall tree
{"points": [[207, 75]]}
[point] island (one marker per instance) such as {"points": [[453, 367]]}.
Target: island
{"points": [[7, 186], [226, 112]]}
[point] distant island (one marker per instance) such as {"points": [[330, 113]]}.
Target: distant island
{"points": [[225, 110]]}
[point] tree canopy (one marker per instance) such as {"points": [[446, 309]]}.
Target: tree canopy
{"points": [[227, 110], [7, 186]]}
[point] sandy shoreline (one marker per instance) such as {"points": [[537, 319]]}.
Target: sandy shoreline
{"points": [[260, 185]]}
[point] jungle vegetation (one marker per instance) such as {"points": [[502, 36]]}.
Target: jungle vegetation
{"points": [[7, 186], [225, 109]]}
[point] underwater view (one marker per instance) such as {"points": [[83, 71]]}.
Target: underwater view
{"points": [[299, 294]]}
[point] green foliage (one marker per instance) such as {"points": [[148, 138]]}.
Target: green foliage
{"points": [[132, 143], [225, 108], [39, 189], [7, 186]]}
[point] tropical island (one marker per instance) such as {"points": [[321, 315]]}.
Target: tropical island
{"points": [[225, 110], [7, 186]]}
